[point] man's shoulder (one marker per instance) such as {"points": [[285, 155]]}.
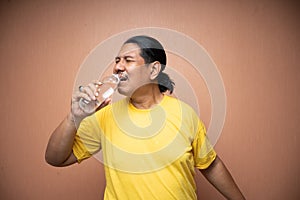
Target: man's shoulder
{"points": [[173, 101]]}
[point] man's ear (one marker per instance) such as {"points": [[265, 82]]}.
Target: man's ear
{"points": [[155, 70]]}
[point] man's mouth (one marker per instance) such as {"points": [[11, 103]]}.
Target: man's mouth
{"points": [[123, 77]]}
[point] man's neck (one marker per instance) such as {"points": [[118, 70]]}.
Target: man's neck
{"points": [[146, 97]]}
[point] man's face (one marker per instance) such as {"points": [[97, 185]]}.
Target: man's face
{"points": [[131, 68]]}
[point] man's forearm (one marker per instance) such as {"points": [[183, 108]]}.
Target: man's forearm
{"points": [[218, 175]]}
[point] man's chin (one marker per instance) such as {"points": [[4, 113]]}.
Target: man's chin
{"points": [[123, 92]]}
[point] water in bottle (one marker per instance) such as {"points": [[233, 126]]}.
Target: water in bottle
{"points": [[108, 87]]}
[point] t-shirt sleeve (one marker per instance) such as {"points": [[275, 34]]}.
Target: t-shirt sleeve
{"points": [[203, 152], [88, 138]]}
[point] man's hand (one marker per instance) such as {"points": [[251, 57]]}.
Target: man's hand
{"points": [[88, 93]]}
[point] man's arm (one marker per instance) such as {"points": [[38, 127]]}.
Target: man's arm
{"points": [[218, 175], [59, 150]]}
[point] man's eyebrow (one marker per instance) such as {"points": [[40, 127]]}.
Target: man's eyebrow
{"points": [[126, 56]]}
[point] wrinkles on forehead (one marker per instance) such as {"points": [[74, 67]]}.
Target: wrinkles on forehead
{"points": [[129, 48], [129, 51]]}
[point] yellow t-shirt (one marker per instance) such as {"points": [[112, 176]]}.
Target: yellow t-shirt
{"points": [[148, 154]]}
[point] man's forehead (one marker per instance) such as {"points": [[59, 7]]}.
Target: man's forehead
{"points": [[129, 49]]}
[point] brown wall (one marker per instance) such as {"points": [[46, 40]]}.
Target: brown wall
{"points": [[255, 45]]}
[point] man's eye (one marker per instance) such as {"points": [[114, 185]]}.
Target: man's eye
{"points": [[117, 61], [127, 60]]}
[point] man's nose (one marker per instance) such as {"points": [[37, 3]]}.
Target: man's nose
{"points": [[119, 67]]}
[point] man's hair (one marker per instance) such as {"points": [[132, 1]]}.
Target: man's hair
{"points": [[151, 51]]}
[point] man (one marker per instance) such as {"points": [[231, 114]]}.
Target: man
{"points": [[151, 142]]}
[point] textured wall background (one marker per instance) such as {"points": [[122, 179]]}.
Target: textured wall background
{"points": [[255, 45]]}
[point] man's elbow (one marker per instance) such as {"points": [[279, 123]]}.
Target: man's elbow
{"points": [[58, 161], [53, 160]]}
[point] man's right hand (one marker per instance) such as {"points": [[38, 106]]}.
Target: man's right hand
{"points": [[88, 93]]}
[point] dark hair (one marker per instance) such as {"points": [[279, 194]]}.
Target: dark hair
{"points": [[152, 50]]}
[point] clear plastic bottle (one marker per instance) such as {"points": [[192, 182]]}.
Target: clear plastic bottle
{"points": [[108, 87]]}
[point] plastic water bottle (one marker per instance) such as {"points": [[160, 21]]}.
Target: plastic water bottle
{"points": [[106, 90]]}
